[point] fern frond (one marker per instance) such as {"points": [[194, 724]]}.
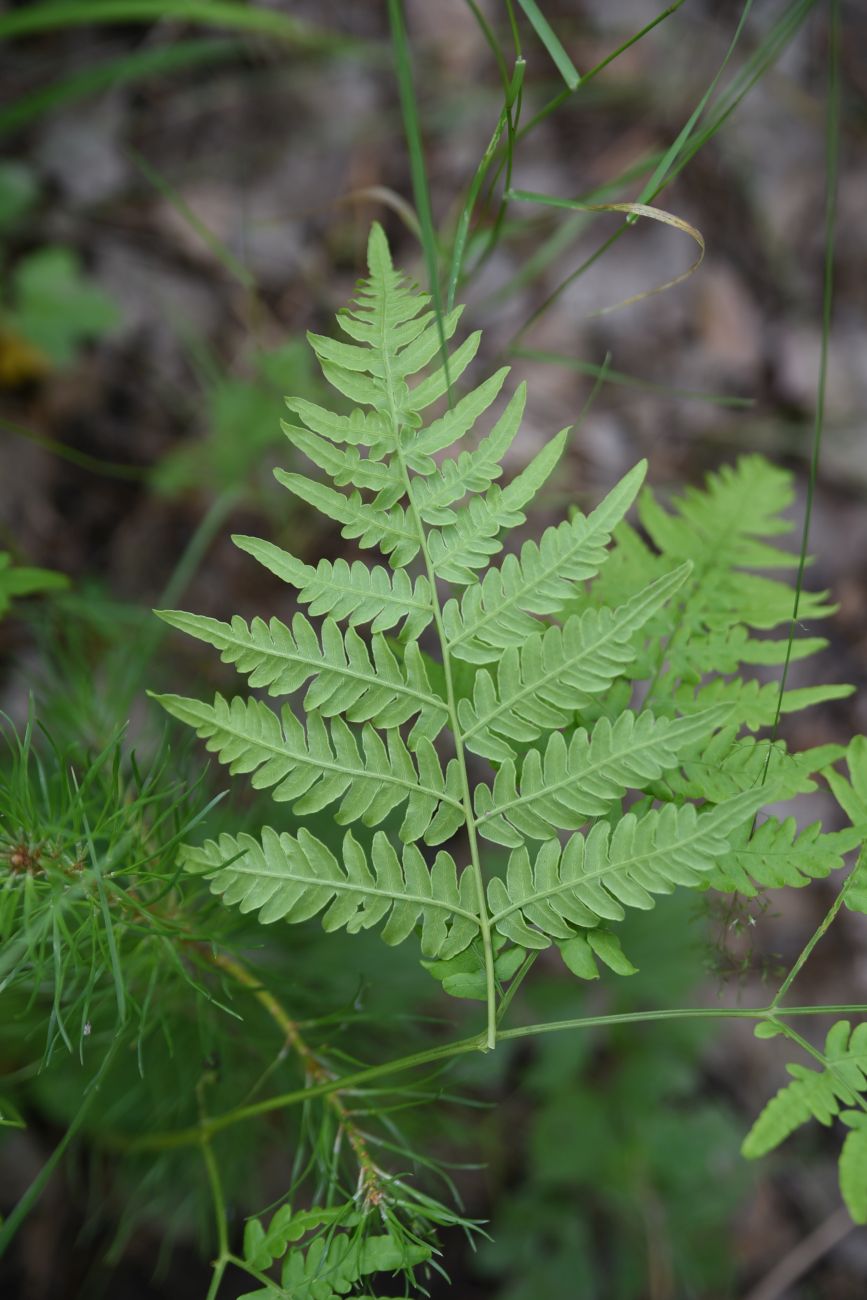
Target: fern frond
{"points": [[316, 768], [728, 764], [816, 1094], [498, 611], [293, 878], [365, 685], [536, 673], [346, 466], [359, 428], [825, 1095], [582, 778], [776, 855], [723, 528], [751, 704], [353, 591], [332, 1265], [544, 683], [851, 795], [739, 506], [597, 875], [436, 384], [724, 650]]}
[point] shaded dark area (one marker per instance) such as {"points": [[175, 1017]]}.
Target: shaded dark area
{"points": [[201, 219]]}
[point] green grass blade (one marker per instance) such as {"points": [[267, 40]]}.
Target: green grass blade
{"points": [[463, 226], [488, 33], [832, 168], [658, 178], [212, 13], [561, 98], [224, 255], [679, 153], [116, 72], [633, 211], [618, 377], [770, 49], [552, 43], [93, 464], [418, 171]]}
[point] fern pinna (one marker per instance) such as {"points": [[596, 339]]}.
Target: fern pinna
{"points": [[450, 700]]}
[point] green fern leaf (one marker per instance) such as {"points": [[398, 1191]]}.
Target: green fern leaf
{"points": [[316, 768], [775, 855], [783, 1114], [293, 878], [723, 529], [458, 421], [541, 685], [471, 471], [727, 765], [538, 660], [358, 429], [851, 795], [347, 678], [354, 592], [816, 1094], [474, 537], [388, 529], [346, 466], [497, 612], [751, 704], [575, 780], [437, 384], [596, 876]]}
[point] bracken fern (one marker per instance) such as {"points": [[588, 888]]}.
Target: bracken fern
{"points": [[527, 668]]}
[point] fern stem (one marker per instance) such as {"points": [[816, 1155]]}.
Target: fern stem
{"points": [[219, 1202], [219, 1268], [515, 984], [820, 931], [371, 1178], [436, 610], [460, 1047], [460, 754]]}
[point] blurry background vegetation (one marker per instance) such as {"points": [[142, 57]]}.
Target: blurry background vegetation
{"points": [[185, 188]]}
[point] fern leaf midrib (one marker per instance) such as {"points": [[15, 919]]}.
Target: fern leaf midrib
{"points": [[501, 810], [483, 918], [596, 874], [386, 778], [386, 597]]}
